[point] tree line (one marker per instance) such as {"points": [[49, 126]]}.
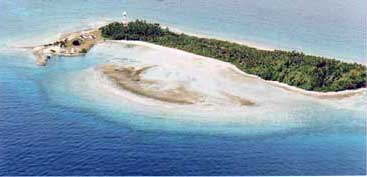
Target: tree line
{"points": [[293, 68]]}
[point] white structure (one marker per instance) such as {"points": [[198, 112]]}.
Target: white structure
{"points": [[124, 18]]}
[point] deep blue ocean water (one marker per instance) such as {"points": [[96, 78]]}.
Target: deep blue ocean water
{"points": [[47, 130]]}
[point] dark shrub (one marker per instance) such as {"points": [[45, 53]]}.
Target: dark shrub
{"points": [[83, 50], [76, 43]]}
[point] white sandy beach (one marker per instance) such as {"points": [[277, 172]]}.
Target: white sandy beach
{"points": [[176, 77], [212, 65], [274, 106], [221, 86]]}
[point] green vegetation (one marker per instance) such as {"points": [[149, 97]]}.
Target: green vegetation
{"points": [[138, 30], [293, 68], [83, 50]]}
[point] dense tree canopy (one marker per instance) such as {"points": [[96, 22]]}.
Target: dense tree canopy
{"points": [[293, 68], [138, 30]]}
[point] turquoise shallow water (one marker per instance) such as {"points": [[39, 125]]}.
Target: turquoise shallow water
{"points": [[330, 28], [49, 126]]}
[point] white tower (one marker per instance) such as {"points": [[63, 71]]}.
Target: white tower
{"points": [[125, 21]]}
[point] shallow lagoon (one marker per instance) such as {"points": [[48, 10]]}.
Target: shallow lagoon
{"points": [[52, 124]]}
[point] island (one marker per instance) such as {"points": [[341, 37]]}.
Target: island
{"points": [[311, 73]]}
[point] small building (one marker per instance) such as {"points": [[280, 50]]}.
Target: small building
{"points": [[125, 20]]}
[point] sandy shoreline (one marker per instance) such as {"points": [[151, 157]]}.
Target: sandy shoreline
{"points": [[65, 45], [43, 54], [320, 95]]}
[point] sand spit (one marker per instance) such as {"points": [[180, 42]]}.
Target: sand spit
{"points": [[130, 80], [70, 45]]}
